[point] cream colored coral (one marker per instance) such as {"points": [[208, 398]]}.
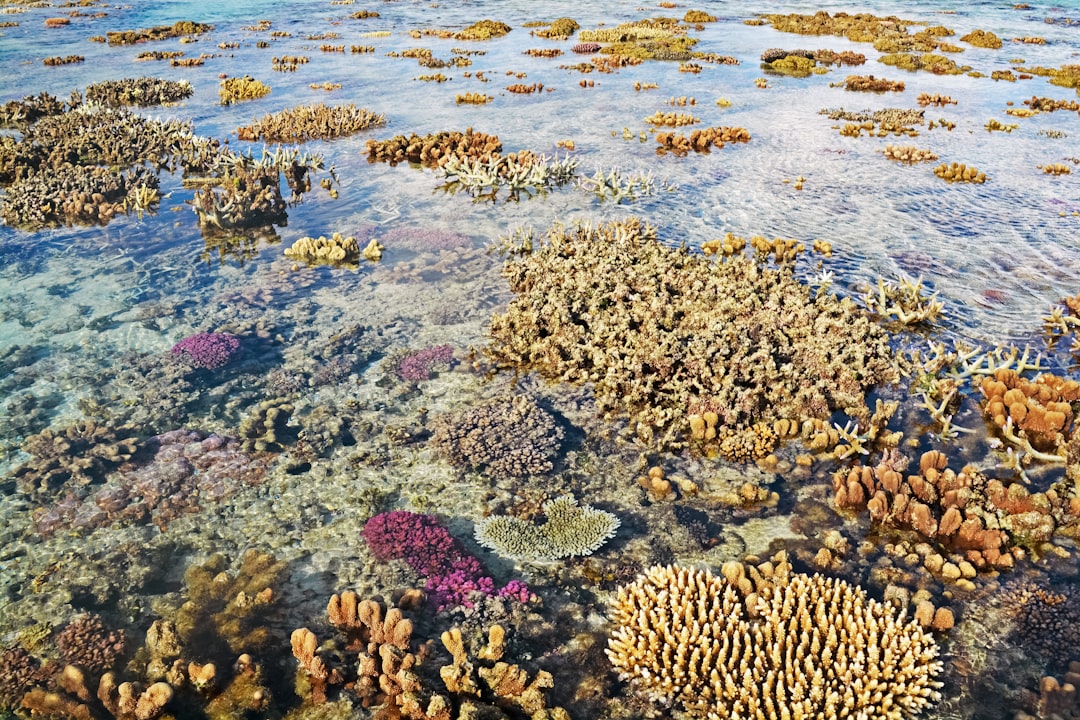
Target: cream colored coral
{"points": [[787, 645]]}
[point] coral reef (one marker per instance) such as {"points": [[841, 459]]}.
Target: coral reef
{"points": [[504, 437], [1034, 416], [568, 531], [522, 172], [937, 64], [138, 91], [434, 150], [935, 99], [267, 428], [311, 122], [207, 350], [771, 643], [902, 301], [68, 60], [609, 305]]}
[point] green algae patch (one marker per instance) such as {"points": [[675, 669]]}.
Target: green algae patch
{"points": [[663, 333]]}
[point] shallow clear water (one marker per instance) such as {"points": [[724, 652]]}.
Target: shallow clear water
{"points": [[80, 306]]}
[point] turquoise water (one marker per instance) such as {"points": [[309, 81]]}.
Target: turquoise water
{"points": [[88, 315]]}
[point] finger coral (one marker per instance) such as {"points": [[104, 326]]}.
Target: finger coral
{"points": [[570, 530], [762, 641]]}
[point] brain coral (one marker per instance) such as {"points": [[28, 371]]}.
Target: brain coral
{"points": [[508, 436], [662, 332], [762, 642]]}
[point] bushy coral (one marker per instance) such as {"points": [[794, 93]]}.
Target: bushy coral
{"points": [[311, 122], [207, 350], [138, 91], [508, 436], [662, 332], [419, 364], [87, 643]]}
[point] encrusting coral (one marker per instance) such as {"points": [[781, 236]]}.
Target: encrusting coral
{"points": [[663, 333], [507, 436], [762, 641], [569, 531]]}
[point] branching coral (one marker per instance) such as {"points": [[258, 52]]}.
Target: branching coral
{"points": [[766, 642], [138, 91], [902, 300], [662, 333], [241, 88], [311, 122]]}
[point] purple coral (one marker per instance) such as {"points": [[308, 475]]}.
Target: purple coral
{"points": [[586, 48], [421, 541], [417, 366], [208, 350]]}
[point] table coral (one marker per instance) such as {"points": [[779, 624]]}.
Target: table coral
{"points": [[770, 643], [507, 436], [662, 333], [569, 531]]}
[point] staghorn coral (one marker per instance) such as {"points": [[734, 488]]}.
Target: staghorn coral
{"points": [[311, 122], [138, 91], [507, 436], [569, 531], [79, 454], [662, 333], [770, 643], [78, 195], [23, 113]]}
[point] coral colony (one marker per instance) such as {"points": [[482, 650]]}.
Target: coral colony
{"points": [[428, 548], [207, 350]]}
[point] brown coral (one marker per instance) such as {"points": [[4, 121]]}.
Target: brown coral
{"points": [[765, 642], [81, 453]]}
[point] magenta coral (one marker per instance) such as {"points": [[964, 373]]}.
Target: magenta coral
{"points": [[418, 365], [208, 350], [421, 541]]}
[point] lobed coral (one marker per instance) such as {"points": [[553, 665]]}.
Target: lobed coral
{"points": [[908, 154], [560, 29], [959, 172], [80, 454], [568, 531], [507, 436], [610, 305], [763, 641], [701, 140], [1035, 416], [335, 250]]}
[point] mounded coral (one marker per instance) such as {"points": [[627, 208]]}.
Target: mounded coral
{"points": [[510, 436], [908, 154], [869, 83], [763, 641], [158, 32], [483, 30], [560, 29], [959, 172], [700, 140], [334, 250], [311, 122], [569, 531], [662, 333], [982, 38]]}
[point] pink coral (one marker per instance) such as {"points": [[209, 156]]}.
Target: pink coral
{"points": [[418, 365], [208, 350]]}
